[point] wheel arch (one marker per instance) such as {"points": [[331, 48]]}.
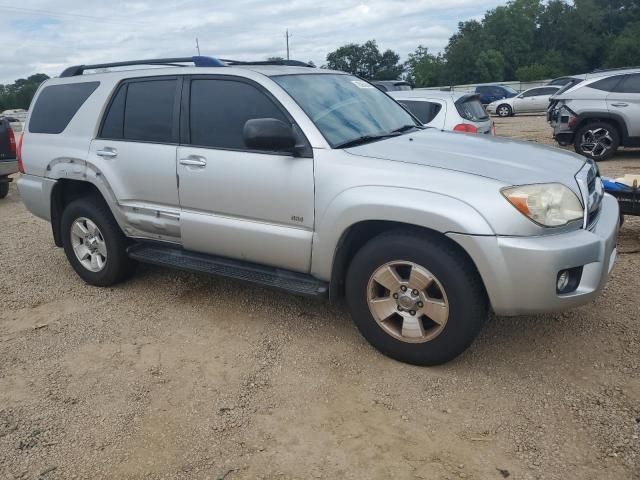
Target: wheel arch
{"points": [[607, 117]]}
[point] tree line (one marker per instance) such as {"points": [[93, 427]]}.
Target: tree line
{"points": [[522, 40]]}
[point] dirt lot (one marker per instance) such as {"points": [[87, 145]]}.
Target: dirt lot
{"points": [[174, 375]]}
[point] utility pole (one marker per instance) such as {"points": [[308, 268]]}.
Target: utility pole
{"points": [[287, 37], [197, 46]]}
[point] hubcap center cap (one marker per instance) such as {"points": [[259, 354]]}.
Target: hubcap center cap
{"points": [[406, 301]]}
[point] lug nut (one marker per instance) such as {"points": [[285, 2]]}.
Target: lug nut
{"points": [[420, 305], [400, 308], [414, 293], [412, 312], [403, 288], [395, 295]]}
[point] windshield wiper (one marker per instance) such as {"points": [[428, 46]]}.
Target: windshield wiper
{"points": [[366, 139], [404, 128]]}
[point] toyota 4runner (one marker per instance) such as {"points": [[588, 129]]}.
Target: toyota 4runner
{"points": [[315, 182]]}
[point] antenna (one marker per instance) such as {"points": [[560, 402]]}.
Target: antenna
{"points": [[197, 46], [287, 36]]}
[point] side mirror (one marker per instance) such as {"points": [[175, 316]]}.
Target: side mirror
{"points": [[269, 134]]}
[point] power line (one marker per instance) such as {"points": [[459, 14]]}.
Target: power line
{"points": [[77, 16]]}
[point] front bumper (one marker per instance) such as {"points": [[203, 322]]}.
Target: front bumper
{"points": [[520, 273], [491, 109], [7, 167]]}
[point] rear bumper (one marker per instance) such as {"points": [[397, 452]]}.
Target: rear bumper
{"points": [[7, 167], [35, 193], [520, 273]]}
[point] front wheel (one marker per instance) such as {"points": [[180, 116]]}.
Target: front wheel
{"points": [[415, 297], [93, 242], [504, 110]]}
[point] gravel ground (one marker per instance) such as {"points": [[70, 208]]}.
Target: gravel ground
{"points": [[175, 375]]}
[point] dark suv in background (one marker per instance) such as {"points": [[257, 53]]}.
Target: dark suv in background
{"points": [[491, 93], [8, 162]]}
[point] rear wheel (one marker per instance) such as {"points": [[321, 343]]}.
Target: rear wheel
{"points": [[93, 242], [415, 297], [504, 110], [597, 140]]}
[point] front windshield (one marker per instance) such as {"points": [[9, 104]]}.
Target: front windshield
{"points": [[345, 108]]}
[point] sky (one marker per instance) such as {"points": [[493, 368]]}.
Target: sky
{"points": [[45, 36]]}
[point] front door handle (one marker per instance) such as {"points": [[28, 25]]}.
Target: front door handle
{"points": [[107, 152], [620, 104], [194, 161]]}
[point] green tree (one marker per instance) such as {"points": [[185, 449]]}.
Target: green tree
{"points": [[20, 93], [425, 69], [365, 61], [625, 49], [489, 66]]}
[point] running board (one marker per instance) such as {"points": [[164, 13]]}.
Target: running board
{"points": [[293, 282]]}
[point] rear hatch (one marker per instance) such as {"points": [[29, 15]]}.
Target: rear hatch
{"points": [[471, 110], [7, 141]]}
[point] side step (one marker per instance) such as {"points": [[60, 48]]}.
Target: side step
{"points": [[293, 282]]}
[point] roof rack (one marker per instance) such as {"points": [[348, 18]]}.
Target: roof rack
{"points": [[286, 63], [198, 61]]}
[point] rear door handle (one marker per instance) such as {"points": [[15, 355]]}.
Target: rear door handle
{"points": [[107, 152], [620, 104], [194, 161]]}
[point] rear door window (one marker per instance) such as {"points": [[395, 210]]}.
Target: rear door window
{"points": [[631, 84], [57, 105], [143, 111], [425, 111], [219, 109]]}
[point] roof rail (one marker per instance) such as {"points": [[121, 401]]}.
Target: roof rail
{"points": [[287, 63], [600, 70], [198, 61]]}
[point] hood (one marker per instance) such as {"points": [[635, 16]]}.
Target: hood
{"points": [[509, 161]]}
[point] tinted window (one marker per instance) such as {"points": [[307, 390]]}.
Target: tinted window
{"points": [[220, 108], [57, 104], [631, 84], [533, 92], [606, 84], [547, 91], [425, 111], [483, 89], [113, 126], [148, 113], [471, 109]]}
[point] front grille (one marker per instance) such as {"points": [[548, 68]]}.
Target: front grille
{"points": [[592, 192]]}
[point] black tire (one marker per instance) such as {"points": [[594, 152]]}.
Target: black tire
{"points": [[4, 189], [118, 265], [468, 305], [607, 145], [504, 110]]}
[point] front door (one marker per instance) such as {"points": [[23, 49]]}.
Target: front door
{"points": [[248, 205], [136, 152]]}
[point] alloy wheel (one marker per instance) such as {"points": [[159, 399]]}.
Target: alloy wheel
{"points": [[596, 142], [503, 111], [407, 301], [88, 244]]}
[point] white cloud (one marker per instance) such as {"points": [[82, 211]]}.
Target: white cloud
{"points": [[47, 35]]}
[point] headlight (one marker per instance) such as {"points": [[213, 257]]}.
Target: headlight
{"points": [[550, 204]]}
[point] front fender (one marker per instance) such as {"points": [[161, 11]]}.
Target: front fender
{"points": [[435, 211]]}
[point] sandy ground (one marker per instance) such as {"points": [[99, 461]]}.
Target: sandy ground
{"points": [[175, 375]]}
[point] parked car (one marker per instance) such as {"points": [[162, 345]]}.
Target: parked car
{"points": [[454, 111], [599, 114], [314, 182], [8, 162], [391, 85], [491, 93], [529, 101]]}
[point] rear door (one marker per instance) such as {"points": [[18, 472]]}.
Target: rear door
{"points": [[239, 203], [624, 102], [136, 152]]}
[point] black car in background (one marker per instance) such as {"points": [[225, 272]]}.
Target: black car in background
{"points": [[8, 161], [491, 93]]}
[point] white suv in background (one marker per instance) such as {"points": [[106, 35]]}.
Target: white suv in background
{"points": [[529, 101], [447, 111]]}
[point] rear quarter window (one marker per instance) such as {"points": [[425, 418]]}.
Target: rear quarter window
{"points": [[425, 111], [57, 104]]}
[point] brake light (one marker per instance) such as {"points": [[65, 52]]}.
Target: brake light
{"points": [[465, 128], [12, 141], [493, 128], [19, 154]]}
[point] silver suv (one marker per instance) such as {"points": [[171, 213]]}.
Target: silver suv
{"points": [[315, 182], [599, 113]]}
